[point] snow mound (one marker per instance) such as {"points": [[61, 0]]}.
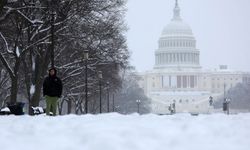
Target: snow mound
{"points": [[126, 132]]}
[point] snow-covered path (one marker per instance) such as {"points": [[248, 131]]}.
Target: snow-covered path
{"points": [[126, 132]]}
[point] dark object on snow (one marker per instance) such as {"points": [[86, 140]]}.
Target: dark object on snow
{"points": [[52, 85], [16, 109], [194, 114], [172, 108], [211, 101], [225, 106], [38, 110], [5, 111]]}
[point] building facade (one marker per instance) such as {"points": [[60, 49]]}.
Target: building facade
{"points": [[177, 76]]}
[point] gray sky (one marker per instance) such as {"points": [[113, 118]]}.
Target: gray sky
{"points": [[221, 29]]}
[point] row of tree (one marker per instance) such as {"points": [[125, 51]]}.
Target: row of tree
{"points": [[37, 34], [239, 97]]}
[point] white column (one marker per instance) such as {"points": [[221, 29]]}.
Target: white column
{"points": [[163, 60], [168, 58], [193, 58], [175, 57], [172, 57], [182, 80], [156, 59], [179, 57], [160, 58], [196, 58], [189, 58]]}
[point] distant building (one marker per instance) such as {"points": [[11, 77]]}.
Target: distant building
{"points": [[177, 75]]}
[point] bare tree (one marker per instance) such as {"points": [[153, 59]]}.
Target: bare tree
{"points": [[126, 98], [4, 86], [100, 31], [31, 29]]}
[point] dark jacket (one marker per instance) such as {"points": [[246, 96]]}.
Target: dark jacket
{"points": [[52, 86]]}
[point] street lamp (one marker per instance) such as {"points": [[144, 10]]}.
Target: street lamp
{"points": [[108, 96], [210, 100], [228, 100], [174, 108], [138, 105], [100, 86], [224, 90], [226, 103], [113, 102], [86, 57], [52, 13]]}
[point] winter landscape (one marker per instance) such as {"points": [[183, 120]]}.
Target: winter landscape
{"points": [[124, 75], [126, 132]]}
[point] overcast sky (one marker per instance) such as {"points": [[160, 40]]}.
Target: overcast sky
{"points": [[221, 29]]}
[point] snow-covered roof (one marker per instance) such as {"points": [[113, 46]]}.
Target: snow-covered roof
{"points": [[181, 93]]}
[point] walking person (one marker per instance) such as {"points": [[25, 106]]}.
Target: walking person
{"points": [[52, 90]]}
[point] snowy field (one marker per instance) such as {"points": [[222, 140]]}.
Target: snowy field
{"points": [[126, 132]]}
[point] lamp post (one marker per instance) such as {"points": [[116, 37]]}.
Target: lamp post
{"points": [[210, 101], [52, 13], [86, 57], [228, 100], [210, 106], [174, 108], [108, 96], [100, 87], [113, 102], [224, 90], [138, 105]]}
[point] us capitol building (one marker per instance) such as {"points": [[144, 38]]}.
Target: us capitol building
{"points": [[177, 76]]}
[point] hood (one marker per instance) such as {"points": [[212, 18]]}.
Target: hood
{"points": [[54, 70]]}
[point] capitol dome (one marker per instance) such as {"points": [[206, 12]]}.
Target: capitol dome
{"points": [[177, 28], [177, 45]]}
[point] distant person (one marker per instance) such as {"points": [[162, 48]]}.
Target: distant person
{"points": [[52, 90], [210, 101]]}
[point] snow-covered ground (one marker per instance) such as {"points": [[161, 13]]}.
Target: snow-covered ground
{"points": [[126, 132]]}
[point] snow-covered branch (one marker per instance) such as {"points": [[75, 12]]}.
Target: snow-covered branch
{"points": [[6, 64], [3, 17], [6, 44], [35, 21]]}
